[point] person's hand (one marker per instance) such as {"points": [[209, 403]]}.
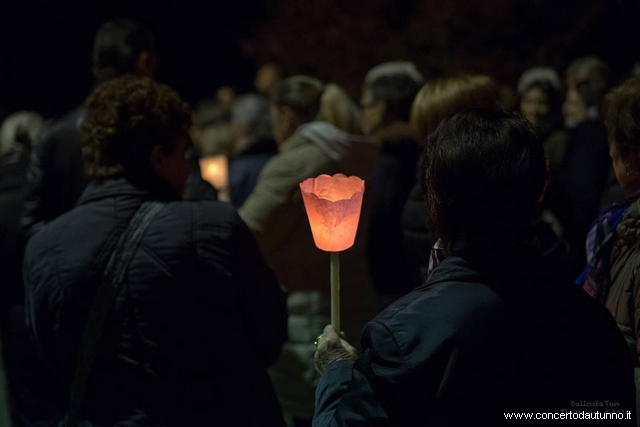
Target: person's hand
{"points": [[331, 348]]}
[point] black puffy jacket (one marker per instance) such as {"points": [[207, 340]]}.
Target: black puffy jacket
{"points": [[199, 320]]}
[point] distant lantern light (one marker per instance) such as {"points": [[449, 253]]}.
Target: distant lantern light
{"points": [[215, 170]]}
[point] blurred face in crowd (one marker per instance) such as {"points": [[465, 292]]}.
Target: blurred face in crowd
{"points": [[372, 112], [266, 78], [534, 105], [625, 169], [172, 166], [574, 110], [225, 97], [283, 123]]}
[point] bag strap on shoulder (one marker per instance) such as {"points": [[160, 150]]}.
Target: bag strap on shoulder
{"points": [[112, 280]]}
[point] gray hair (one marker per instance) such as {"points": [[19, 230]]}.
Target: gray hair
{"points": [[300, 93], [394, 68], [19, 131], [396, 84]]}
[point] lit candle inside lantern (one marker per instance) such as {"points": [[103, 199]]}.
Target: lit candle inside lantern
{"points": [[214, 169], [333, 205]]}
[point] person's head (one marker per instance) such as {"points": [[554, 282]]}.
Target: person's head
{"points": [[267, 77], [540, 102], [337, 108], [484, 173], [387, 94], [441, 98], [622, 118], [586, 67], [225, 96], [250, 120], [582, 102], [540, 95], [294, 102], [588, 79], [123, 46], [136, 128], [19, 131]]}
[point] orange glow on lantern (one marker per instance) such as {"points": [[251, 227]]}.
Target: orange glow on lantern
{"points": [[333, 205], [214, 169]]}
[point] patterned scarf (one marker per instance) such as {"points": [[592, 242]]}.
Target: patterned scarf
{"points": [[595, 278]]}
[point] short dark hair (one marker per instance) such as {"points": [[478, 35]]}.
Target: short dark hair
{"points": [[397, 91], [592, 90], [125, 117], [622, 115], [116, 46], [300, 93], [484, 174]]}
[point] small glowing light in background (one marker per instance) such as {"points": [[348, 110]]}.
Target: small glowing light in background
{"points": [[215, 170]]}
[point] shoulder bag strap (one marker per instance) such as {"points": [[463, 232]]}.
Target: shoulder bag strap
{"points": [[112, 281]]}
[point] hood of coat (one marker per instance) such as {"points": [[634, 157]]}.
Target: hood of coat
{"points": [[629, 228], [354, 154]]}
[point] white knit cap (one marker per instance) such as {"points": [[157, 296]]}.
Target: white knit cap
{"points": [[539, 74], [393, 68]]}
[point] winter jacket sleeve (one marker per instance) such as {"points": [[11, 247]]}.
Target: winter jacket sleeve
{"points": [[352, 394]]}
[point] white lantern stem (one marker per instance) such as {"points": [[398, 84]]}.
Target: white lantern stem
{"points": [[335, 291]]}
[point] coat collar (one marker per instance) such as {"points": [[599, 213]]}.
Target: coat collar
{"points": [[97, 190]]}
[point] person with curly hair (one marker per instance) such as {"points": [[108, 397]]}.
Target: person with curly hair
{"points": [[199, 316]]}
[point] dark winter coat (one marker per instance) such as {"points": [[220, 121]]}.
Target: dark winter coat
{"points": [[487, 334], [199, 320]]}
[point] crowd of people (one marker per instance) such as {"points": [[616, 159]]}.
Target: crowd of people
{"points": [[494, 271]]}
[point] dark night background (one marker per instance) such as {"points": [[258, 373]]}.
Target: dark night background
{"points": [[46, 46]]}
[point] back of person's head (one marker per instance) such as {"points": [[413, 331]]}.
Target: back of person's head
{"points": [[301, 94], [19, 131], [444, 97], [337, 108], [587, 67], [484, 173], [123, 46], [267, 77], [125, 118], [622, 116], [592, 90], [396, 85], [250, 119]]}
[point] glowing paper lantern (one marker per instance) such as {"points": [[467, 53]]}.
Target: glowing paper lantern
{"points": [[214, 169], [333, 205]]}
